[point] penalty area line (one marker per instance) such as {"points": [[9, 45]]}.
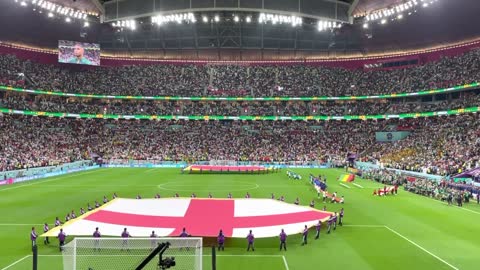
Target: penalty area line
{"points": [[15, 262], [40, 181], [357, 185], [285, 262], [343, 185], [420, 247]]}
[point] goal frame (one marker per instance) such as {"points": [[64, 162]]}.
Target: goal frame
{"points": [[197, 240]]}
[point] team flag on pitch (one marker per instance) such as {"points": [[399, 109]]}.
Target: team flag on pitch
{"points": [[347, 178], [201, 217]]}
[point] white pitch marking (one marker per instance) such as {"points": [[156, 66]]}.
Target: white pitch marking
{"points": [[466, 209], [285, 262], [16, 262], [54, 179], [341, 184], [357, 185], [420, 247]]}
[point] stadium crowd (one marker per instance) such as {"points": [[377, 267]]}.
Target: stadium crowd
{"points": [[230, 108], [244, 80], [440, 145], [37, 141]]}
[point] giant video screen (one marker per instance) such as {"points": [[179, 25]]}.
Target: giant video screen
{"points": [[73, 52]]}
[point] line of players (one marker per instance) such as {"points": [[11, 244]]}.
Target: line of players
{"points": [[221, 238]]}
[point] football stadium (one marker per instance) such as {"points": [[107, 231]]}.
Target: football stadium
{"points": [[239, 134]]}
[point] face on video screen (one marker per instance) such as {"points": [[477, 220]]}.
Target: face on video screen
{"points": [[78, 51], [73, 52]]}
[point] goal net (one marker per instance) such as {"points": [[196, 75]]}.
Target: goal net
{"points": [[123, 254]]}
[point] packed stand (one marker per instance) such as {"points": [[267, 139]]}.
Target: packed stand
{"points": [[241, 80], [438, 145], [37, 141], [47, 103]]}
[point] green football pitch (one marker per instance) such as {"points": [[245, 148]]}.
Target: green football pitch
{"points": [[406, 231]]}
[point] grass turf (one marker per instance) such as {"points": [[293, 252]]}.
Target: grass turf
{"points": [[406, 231]]}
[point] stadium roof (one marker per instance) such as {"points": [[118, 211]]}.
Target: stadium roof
{"points": [[444, 22]]}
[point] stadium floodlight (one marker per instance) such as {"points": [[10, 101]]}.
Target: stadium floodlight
{"points": [[365, 26], [217, 18], [23, 4], [50, 15], [280, 19], [67, 19], [205, 19], [236, 18], [86, 24], [248, 19], [400, 16], [383, 21], [178, 18]]}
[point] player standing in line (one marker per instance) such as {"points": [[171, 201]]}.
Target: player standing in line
{"points": [[33, 237], [105, 200], [221, 241], [157, 196], [272, 196], [305, 235], [176, 195], [247, 196], [340, 220], [324, 196], [282, 198], [72, 215], [193, 195], [229, 196], [317, 229], [324, 208], [335, 221], [183, 235], [46, 229], [297, 201], [312, 204], [114, 195], [89, 208], [283, 240], [96, 242], [139, 197], [67, 217], [210, 195], [82, 211], [57, 222], [153, 242], [61, 239], [330, 220], [125, 235], [250, 239], [97, 205]]}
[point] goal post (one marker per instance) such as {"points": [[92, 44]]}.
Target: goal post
{"points": [[120, 253]]}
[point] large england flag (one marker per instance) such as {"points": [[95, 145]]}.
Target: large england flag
{"points": [[200, 217]]}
